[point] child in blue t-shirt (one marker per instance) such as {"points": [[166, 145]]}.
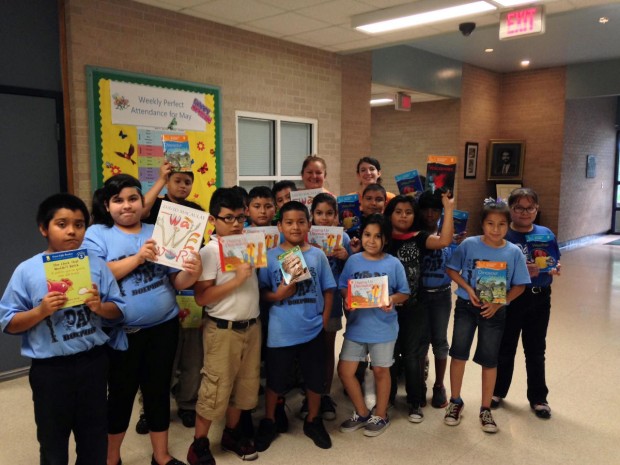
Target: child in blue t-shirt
{"points": [[68, 376], [471, 313], [297, 317], [371, 331]]}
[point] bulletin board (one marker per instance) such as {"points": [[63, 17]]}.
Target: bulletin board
{"points": [[128, 115]]}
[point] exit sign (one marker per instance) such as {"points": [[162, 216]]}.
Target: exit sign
{"points": [[521, 22]]}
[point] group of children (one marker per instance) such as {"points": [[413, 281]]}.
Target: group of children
{"points": [[133, 310]]}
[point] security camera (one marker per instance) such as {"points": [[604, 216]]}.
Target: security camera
{"points": [[467, 28]]}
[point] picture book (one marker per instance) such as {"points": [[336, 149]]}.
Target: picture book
{"points": [[272, 235], [459, 218], [190, 313], [306, 196], [178, 231], [409, 183], [327, 238], [176, 151], [368, 293], [440, 172], [349, 212], [293, 266], [249, 247], [543, 250], [68, 272], [491, 282]]}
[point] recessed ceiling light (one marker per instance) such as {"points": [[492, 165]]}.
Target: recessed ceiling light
{"points": [[525, 62], [488, 50], [381, 101], [603, 20], [509, 3]]}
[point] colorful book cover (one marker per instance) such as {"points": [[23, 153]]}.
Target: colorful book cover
{"points": [[272, 235], [349, 212], [459, 218], [440, 172], [491, 282], [368, 293], [327, 238], [69, 273], [249, 247], [306, 196], [542, 250], [176, 151], [293, 266], [178, 231], [190, 313], [409, 183]]}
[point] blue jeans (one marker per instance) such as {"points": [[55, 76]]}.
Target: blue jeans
{"points": [[439, 306]]}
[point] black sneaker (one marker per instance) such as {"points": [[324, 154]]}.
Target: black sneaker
{"points": [[142, 427], [495, 402], [415, 413], [487, 422], [234, 441], [188, 417], [267, 432], [280, 415], [454, 412], [315, 430], [328, 408], [199, 453], [439, 399], [542, 410]]}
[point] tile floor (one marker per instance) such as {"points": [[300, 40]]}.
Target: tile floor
{"points": [[583, 374]]}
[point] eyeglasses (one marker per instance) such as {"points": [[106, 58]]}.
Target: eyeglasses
{"points": [[520, 209], [231, 219]]}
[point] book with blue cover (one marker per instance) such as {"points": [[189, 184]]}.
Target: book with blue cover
{"points": [[409, 183], [349, 212], [543, 250]]}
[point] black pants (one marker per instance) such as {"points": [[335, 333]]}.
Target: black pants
{"points": [[69, 394], [528, 317], [147, 364]]}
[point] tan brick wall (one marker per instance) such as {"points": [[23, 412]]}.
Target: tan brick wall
{"points": [[585, 204], [254, 73]]}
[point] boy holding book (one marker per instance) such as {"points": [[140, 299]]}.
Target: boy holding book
{"points": [[231, 337], [69, 368], [297, 317]]}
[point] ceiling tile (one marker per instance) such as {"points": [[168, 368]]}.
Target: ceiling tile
{"points": [[288, 24], [336, 11], [291, 5], [239, 11], [330, 36]]}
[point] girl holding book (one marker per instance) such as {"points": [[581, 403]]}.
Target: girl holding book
{"points": [[472, 312], [371, 331]]}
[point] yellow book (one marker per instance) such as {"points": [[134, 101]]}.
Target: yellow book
{"points": [[69, 272]]}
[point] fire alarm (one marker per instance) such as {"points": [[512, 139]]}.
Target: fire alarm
{"points": [[402, 102]]}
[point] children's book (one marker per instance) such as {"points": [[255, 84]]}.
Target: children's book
{"points": [[293, 266], [459, 218], [491, 282], [176, 151], [368, 293], [327, 238], [69, 273], [178, 231], [249, 247], [543, 250], [306, 196], [409, 183], [440, 172], [190, 313], [349, 212], [272, 235]]}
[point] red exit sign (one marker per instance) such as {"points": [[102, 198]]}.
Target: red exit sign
{"points": [[521, 22]]}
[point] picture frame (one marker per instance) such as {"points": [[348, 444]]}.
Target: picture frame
{"points": [[505, 160], [471, 160], [503, 190]]}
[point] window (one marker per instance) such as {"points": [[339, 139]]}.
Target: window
{"points": [[271, 148]]}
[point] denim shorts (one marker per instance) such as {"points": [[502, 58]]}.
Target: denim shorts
{"points": [[381, 353], [490, 330]]}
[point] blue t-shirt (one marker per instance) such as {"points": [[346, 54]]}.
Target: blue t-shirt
{"points": [[69, 330], [336, 266], [373, 325], [434, 267], [299, 318], [147, 290], [518, 238], [472, 249]]}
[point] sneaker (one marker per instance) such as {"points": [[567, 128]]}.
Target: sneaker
{"points": [[199, 453], [234, 441], [315, 430], [376, 425], [303, 411], [328, 408], [267, 432], [142, 427], [415, 413], [354, 423], [495, 402], [439, 399], [486, 420], [172, 461], [280, 416], [542, 410], [188, 417], [453, 414]]}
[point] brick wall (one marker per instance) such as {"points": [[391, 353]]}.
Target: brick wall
{"points": [[254, 73], [585, 204]]}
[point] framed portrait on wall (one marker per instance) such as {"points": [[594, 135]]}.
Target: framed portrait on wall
{"points": [[505, 160], [471, 159]]}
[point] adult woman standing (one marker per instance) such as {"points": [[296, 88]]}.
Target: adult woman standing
{"points": [[369, 172], [313, 172]]}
